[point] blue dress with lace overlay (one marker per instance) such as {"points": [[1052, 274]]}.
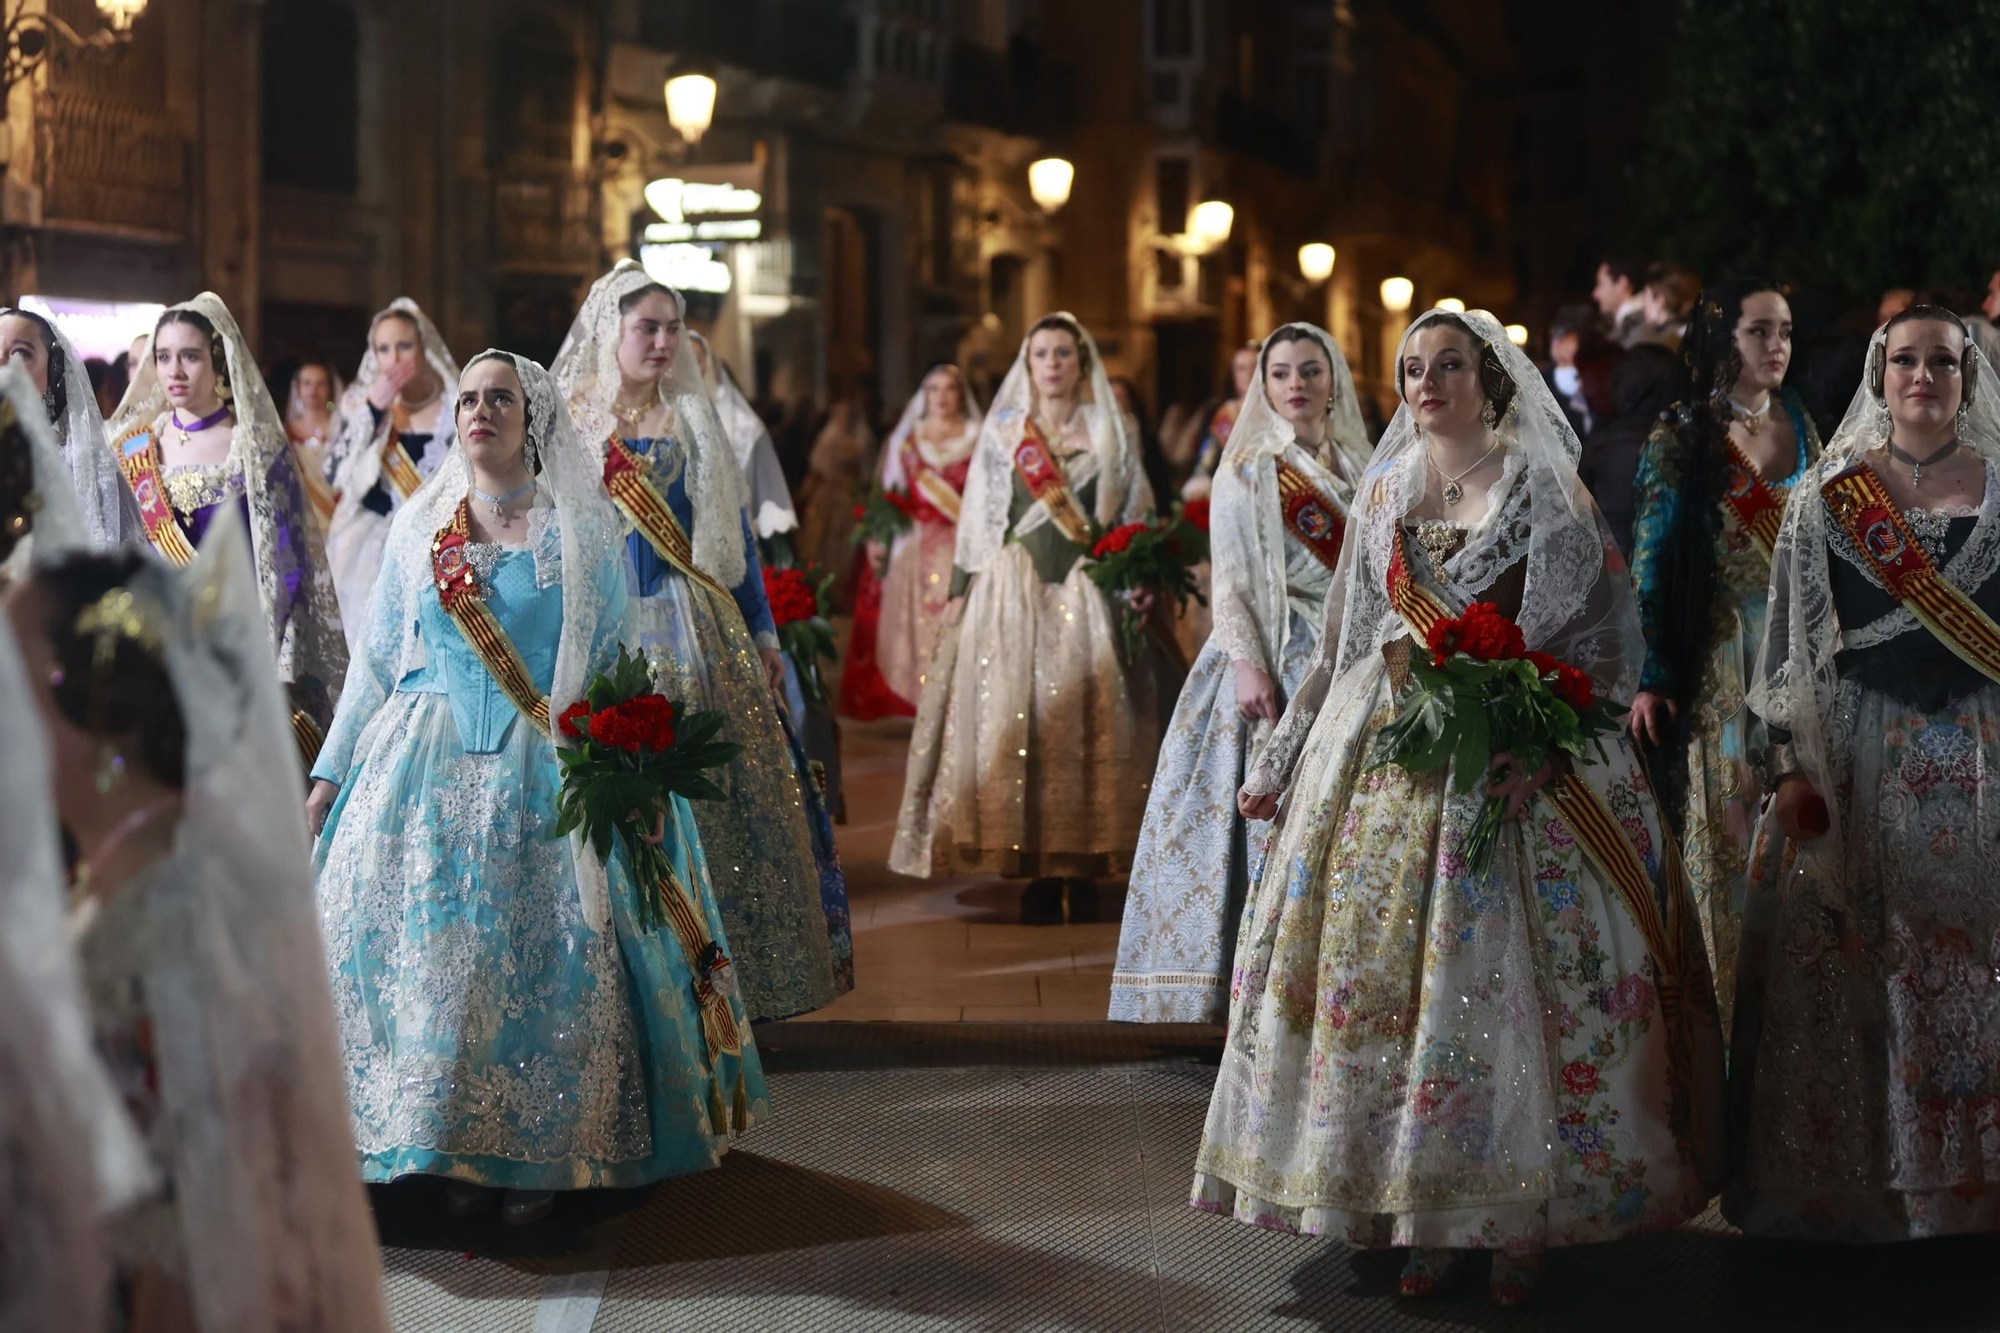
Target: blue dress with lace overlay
{"points": [[489, 1034]]}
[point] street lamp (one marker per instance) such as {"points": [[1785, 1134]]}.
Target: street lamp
{"points": [[1397, 294], [1316, 261], [120, 13], [1049, 179], [1517, 334], [1451, 303], [690, 103], [1210, 222]]}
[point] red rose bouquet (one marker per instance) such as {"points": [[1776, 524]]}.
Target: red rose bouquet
{"points": [[1160, 555], [634, 748], [804, 632], [1481, 691], [881, 517]]}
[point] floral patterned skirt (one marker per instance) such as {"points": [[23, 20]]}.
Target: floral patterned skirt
{"points": [[1191, 872], [1865, 1074], [914, 594], [1420, 1056]]}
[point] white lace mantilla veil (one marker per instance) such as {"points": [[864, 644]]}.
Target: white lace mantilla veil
{"points": [[69, 1154], [1796, 680], [586, 372], [359, 464], [589, 531], [57, 523], [110, 514], [1247, 519], [892, 472], [276, 1228], [1123, 493], [756, 456], [312, 642], [1577, 602]]}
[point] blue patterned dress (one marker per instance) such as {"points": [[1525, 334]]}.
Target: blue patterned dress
{"points": [[777, 873], [489, 1034]]}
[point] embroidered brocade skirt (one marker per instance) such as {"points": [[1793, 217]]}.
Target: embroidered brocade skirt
{"points": [[1865, 1072], [1723, 794], [1419, 1056], [1191, 872], [786, 911], [914, 594], [489, 1035], [1034, 744]]}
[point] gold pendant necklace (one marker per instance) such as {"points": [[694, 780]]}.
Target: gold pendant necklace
{"points": [[1453, 492]]}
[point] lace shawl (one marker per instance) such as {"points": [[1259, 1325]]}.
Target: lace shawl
{"points": [[581, 537], [1796, 679], [586, 372], [304, 631], [1247, 534], [1577, 601], [358, 439], [1123, 493]]}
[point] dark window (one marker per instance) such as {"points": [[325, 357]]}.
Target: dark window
{"points": [[1172, 179], [312, 96], [1173, 29], [535, 92]]}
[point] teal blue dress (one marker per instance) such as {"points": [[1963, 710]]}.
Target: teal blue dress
{"points": [[488, 1033]]}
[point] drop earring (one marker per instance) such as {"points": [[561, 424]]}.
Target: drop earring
{"points": [[1488, 415], [110, 769]]}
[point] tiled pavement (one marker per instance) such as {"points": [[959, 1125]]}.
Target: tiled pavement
{"points": [[974, 1149]]}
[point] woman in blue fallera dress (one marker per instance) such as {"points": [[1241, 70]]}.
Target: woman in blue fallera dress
{"points": [[650, 432], [505, 1021]]}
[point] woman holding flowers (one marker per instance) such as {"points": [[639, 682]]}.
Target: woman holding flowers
{"points": [[1278, 512], [1713, 484], [1424, 1050], [1863, 1062], [898, 617], [1035, 738], [513, 1016], [704, 621]]}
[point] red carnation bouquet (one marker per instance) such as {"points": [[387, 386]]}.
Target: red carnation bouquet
{"points": [[883, 515], [1481, 692], [1160, 555], [804, 632], [634, 749]]}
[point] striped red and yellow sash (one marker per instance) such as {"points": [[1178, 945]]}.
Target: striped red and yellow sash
{"points": [[704, 958], [139, 456], [628, 479], [309, 736], [398, 468], [1046, 481], [1882, 534], [464, 601], [313, 482], [938, 492], [1750, 498], [1309, 515]]}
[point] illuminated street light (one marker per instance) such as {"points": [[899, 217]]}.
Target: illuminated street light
{"points": [[1397, 294], [1316, 261], [1049, 180], [1517, 334], [690, 104], [120, 13], [1210, 222], [1451, 303]]}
